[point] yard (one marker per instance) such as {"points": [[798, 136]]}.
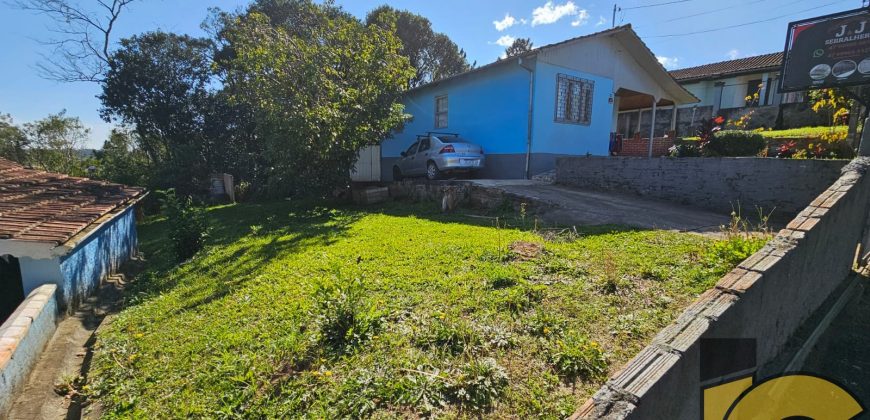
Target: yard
{"points": [[294, 310]]}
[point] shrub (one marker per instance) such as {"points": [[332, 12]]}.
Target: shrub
{"points": [[575, 356], [479, 384], [685, 149], [188, 226], [735, 143], [343, 318]]}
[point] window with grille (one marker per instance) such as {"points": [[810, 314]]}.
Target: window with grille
{"points": [[573, 100], [441, 111]]}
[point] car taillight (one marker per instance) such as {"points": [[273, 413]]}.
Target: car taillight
{"points": [[448, 149]]}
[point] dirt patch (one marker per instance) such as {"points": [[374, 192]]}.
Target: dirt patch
{"points": [[526, 251]]}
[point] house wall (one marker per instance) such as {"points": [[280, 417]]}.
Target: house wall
{"points": [[489, 108], [97, 256], [551, 139]]}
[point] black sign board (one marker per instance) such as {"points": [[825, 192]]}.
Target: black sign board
{"points": [[827, 51]]}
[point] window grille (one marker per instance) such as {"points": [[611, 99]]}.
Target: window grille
{"points": [[573, 100]]}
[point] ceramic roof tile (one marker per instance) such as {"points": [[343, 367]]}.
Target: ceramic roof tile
{"points": [[48, 207]]}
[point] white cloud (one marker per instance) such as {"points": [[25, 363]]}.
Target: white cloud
{"points": [[505, 23], [551, 13], [505, 41], [668, 62], [581, 18], [601, 21], [733, 54]]}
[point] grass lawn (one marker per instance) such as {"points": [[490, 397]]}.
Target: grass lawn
{"points": [[803, 132], [398, 311]]}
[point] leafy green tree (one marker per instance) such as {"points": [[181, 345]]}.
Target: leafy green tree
{"points": [[432, 54], [55, 144], [318, 98], [121, 161], [519, 46], [13, 142], [158, 83]]}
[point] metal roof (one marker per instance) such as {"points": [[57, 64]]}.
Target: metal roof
{"points": [[758, 63]]}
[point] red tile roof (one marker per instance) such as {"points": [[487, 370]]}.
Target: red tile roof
{"points": [[48, 207], [757, 63]]}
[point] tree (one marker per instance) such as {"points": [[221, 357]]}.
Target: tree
{"points": [[121, 161], [55, 144], [82, 50], [432, 54], [519, 46], [316, 99], [13, 142], [158, 83]]}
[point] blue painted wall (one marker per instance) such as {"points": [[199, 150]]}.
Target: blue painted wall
{"points": [[489, 108], [570, 139], [98, 256]]}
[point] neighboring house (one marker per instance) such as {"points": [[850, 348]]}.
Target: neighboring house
{"points": [[72, 232], [722, 89], [557, 100]]}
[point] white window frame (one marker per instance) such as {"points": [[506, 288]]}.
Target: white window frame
{"points": [[442, 112]]}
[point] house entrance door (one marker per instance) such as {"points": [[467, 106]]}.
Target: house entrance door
{"points": [[11, 288]]}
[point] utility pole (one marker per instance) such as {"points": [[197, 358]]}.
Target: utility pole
{"points": [[615, 9]]}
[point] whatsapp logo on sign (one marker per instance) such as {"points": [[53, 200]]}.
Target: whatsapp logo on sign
{"points": [[818, 53], [787, 396], [730, 392]]}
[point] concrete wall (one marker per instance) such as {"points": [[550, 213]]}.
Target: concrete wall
{"points": [[22, 338], [784, 186], [766, 298], [99, 255]]}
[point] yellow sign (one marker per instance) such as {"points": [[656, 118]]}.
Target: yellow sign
{"points": [[786, 396]]}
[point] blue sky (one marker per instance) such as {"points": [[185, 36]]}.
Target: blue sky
{"points": [[478, 26]]}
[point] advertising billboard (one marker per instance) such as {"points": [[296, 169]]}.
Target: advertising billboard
{"points": [[827, 51]]}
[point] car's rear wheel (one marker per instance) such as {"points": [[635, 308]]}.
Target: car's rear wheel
{"points": [[432, 172], [397, 173]]}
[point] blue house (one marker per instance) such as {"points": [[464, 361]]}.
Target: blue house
{"points": [[558, 100], [56, 229]]}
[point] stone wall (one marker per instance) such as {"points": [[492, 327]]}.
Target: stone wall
{"points": [[766, 298], [781, 187], [22, 338]]}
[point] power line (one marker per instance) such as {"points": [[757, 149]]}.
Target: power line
{"points": [[718, 10], [654, 5], [744, 24]]}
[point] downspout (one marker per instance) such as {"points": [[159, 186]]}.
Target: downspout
{"points": [[531, 115]]}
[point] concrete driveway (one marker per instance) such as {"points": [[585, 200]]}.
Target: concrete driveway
{"points": [[581, 207]]}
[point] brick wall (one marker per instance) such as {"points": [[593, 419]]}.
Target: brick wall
{"points": [[781, 186], [640, 147], [766, 298]]}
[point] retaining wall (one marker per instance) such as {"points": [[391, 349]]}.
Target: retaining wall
{"points": [[22, 338], [766, 298], [718, 184]]}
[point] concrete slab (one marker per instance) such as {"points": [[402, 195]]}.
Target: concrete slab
{"points": [[583, 207]]}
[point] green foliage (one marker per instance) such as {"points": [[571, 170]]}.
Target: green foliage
{"points": [[519, 46], [121, 161], [237, 331], [189, 226], [315, 103], [343, 317], [479, 384], [55, 143], [13, 142], [433, 55], [574, 356], [735, 143]]}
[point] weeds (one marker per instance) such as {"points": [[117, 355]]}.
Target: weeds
{"points": [[576, 357], [345, 320]]}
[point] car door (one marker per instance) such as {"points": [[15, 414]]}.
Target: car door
{"points": [[405, 163], [422, 156]]}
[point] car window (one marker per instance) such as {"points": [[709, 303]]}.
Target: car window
{"points": [[411, 149], [424, 145]]}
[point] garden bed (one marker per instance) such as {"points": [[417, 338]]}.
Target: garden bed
{"points": [[294, 310]]}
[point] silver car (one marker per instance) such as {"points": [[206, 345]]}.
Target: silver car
{"points": [[434, 154]]}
